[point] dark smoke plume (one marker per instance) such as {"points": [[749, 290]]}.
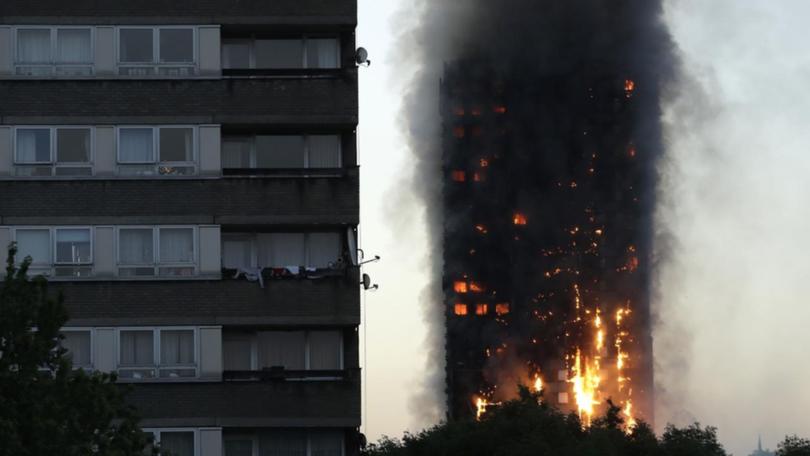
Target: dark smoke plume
{"points": [[559, 67]]}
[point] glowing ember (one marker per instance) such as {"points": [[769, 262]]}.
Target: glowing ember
{"points": [[481, 229], [499, 109], [458, 176], [629, 87], [481, 309], [460, 286], [484, 162], [476, 287], [502, 308], [519, 219]]}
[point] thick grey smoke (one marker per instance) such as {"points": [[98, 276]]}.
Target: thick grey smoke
{"points": [[553, 38]]}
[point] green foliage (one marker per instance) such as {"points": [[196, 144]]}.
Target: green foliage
{"points": [[47, 407], [793, 446], [529, 427]]}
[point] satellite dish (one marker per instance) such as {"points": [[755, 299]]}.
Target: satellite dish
{"points": [[366, 282], [361, 57]]}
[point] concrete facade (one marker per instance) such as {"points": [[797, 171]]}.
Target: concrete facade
{"points": [[160, 269]]}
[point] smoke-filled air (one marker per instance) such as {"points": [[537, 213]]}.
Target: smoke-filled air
{"points": [[536, 126]]}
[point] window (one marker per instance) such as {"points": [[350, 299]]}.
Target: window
{"points": [[164, 51], [282, 151], [240, 445], [176, 442], [281, 250], [166, 353], [286, 442], [156, 151], [136, 354], [157, 251], [291, 53], [73, 251], [292, 350], [78, 345], [37, 155], [283, 442], [47, 51], [62, 252]]}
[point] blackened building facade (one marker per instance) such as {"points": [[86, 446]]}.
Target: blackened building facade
{"points": [[185, 172]]}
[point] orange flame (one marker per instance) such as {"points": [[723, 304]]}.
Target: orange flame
{"points": [[481, 309], [519, 219], [460, 309], [460, 286]]}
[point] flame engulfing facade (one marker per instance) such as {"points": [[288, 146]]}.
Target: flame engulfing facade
{"points": [[549, 159]]}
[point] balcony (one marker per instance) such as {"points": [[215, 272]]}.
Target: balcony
{"points": [[250, 403], [236, 12], [229, 201], [299, 101], [329, 301]]}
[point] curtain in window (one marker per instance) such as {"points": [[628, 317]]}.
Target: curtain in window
{"points": [[72, 145], [176, 245], [322, 53], [238, 447], [236, 253], [324, 350], [235, 54], [282, 348], [33, 145], [279, 53], [34, 46], [280, 151], [77, 344], [73, 46], [73, 246], [34, 243], [324, 248], [236, 352], [176, 348], [136, 145], [283, 442], [324, 151], [176, 144], [136, 46], [177, 443], [326, 443], [236, 153], [137, 348], [177, 45], [135, 246], [281, 250]]}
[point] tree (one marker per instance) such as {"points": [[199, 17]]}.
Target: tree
{"points": [[528, 427], [793, 446], [46, 406]]}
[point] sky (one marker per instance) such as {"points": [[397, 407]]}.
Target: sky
{"points": [[734, 213]]}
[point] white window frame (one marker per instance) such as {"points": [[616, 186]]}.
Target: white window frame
{"points": [[52, 163], [53, 65], [50, 268], [251, 140], [303, 38], [157, 263], [156, 163], [157, 362], [92, 332], [157, 431], [155, 66]]}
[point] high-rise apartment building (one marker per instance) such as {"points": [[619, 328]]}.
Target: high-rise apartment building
{"points": [[185, 172], [546, 198]]}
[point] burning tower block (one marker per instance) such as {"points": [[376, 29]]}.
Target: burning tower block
{"points": [[548, 203]]}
